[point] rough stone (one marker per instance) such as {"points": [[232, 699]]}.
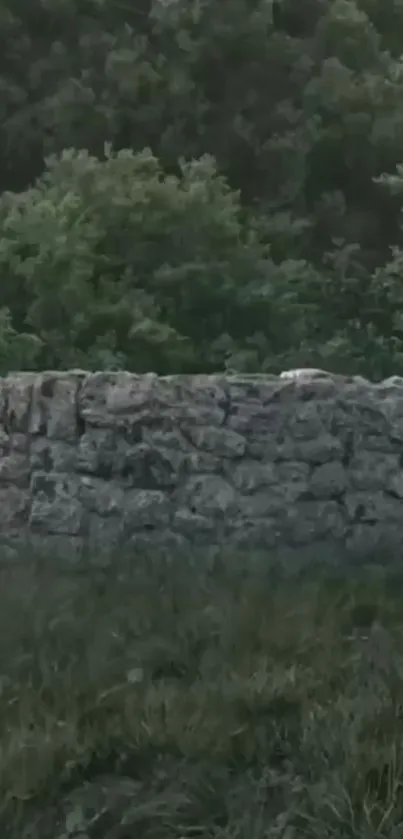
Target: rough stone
{"points": [[102, 460]]}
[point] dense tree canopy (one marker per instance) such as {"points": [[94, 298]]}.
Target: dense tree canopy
{"points": [[192, 186]]}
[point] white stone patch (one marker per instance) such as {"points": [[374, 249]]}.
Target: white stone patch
{"points": [[305, 373]]}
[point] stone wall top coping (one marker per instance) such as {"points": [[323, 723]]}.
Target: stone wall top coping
{"points": [[304, 375]]}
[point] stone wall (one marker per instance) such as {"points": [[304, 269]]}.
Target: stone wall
{"points": [[104, 460]]}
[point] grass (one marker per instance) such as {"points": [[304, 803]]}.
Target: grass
{"points": [[235, 704]]}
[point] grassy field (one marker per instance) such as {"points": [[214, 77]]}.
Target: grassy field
{"points": [[226, 703]]}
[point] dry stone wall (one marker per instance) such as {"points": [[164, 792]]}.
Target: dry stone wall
{"points": [[105, 460]]}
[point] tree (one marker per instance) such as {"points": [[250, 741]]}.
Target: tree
{"points": [[269, 126], [112, 263]]}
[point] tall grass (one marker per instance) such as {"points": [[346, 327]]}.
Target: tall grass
{"points": [[236, 704]]}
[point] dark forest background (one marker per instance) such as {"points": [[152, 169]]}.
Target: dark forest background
{"points": [[196, 186]]}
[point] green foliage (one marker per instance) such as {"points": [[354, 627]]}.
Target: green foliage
{"points": [[257, 232], [112, 263], [18, 350]]}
